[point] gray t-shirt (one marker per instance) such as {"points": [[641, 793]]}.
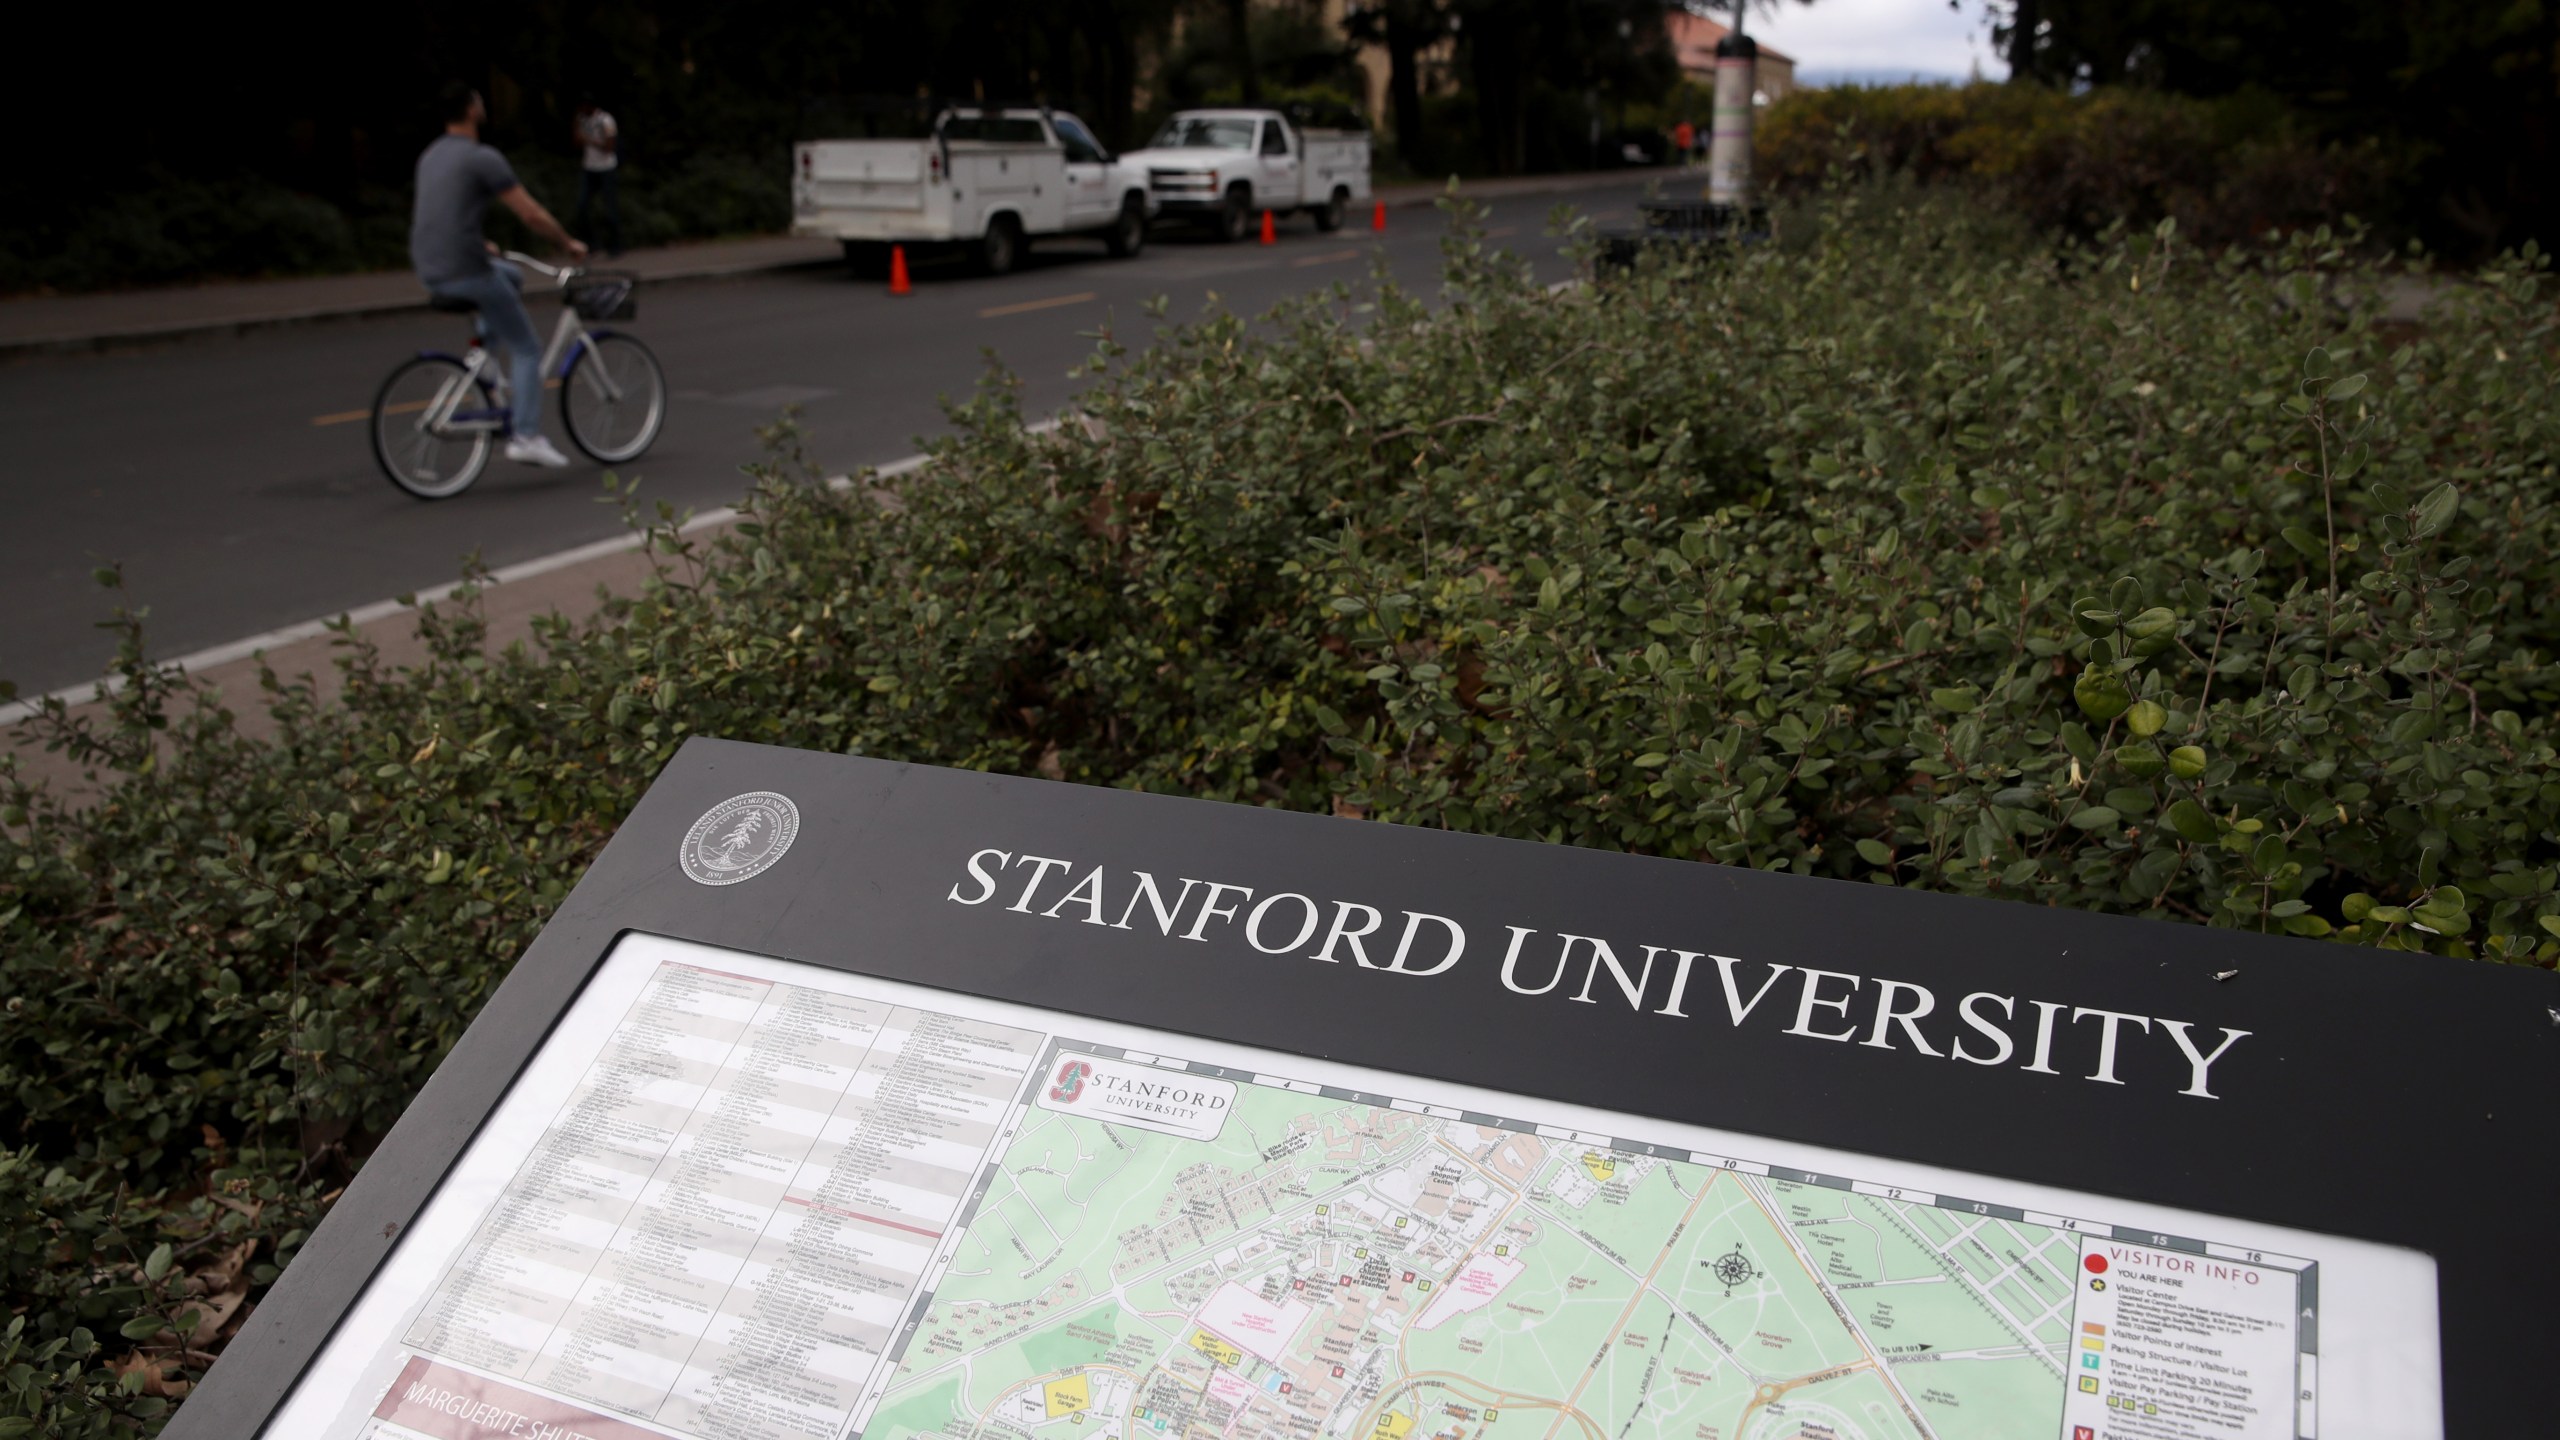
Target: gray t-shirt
{"points": [[456, 178]]}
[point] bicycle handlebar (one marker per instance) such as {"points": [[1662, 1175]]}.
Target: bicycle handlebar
{"points": [[557, 272]]}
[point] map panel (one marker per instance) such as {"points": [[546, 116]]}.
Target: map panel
{"points": [[737, 1198]]}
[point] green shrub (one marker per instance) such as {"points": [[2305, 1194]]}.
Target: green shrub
{"points": [[184, 230], [2064, 578], [2225, 169]]}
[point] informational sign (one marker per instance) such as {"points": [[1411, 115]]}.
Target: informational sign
{"points": [[999, 1118]]}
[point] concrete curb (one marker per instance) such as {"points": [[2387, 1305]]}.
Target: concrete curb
{"points": [[89, 692]]}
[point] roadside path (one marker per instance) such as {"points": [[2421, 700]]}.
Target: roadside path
{"points": [[39, 323]]}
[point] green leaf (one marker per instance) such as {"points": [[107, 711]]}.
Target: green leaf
{"points": [[2187, 761], [1960, 699], [2550, 923], [2192, 823], [142, 1327], [2152, 624], [2304, 541], [156, 1265], [2101, 694], [1875, 852], [2095, 817], [1651, 758], [2347, 388], [2436, 511], [2077, 739], [2356, 907], [2145, 718]]}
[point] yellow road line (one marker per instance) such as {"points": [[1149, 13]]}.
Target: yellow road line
{"points": [[406, 407], [1027, 306], [1334, 258]]}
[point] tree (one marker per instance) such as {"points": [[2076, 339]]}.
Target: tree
{"points": [[1532, 64], [2468, 91], [1405, 28]]}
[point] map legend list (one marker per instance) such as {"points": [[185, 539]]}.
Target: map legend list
{"points": [[722, 1225], [2173, 1346]]}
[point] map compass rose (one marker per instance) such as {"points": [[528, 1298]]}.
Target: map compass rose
{"points": [[1733, 1269]]}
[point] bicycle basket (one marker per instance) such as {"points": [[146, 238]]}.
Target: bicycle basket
{"points": [[605, 295]]}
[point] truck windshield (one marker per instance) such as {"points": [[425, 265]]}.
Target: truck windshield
{"points": [[1199, 133]]}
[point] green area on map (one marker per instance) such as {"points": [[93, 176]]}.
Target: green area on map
{"points": [[1355, 1272]]}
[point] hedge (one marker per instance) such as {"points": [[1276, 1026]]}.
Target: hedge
{"points": [[2225, 169], [2125, 577], [167, 230]]}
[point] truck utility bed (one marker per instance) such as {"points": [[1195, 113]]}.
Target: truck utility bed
{"points": [[991, 179]]}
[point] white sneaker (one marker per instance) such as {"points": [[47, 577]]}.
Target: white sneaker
{"points": [[535, 450]]}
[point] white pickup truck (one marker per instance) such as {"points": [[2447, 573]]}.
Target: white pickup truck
{"points": [[990, 180], [1224, 166]]}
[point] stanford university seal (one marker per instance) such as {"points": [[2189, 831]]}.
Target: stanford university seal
{"points": [[740, 838]]}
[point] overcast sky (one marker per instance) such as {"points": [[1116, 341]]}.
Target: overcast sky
{"points": [[1892, 37]]}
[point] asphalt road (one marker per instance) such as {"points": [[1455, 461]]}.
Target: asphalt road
{"points": [[231, 478]]}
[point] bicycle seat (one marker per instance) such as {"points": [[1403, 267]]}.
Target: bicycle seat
{"points": [[451, 305]]}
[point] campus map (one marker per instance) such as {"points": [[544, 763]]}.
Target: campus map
{"points": [[741, 1199], [1331, 1269]]}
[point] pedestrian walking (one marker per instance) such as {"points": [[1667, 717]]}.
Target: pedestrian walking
{"points": [[599, 142], [457, 178], [1684, 138]]}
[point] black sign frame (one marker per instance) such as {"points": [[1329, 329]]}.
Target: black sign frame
{"points": [[2358, 1061]]}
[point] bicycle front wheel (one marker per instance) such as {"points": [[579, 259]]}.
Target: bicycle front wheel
{"points": [[416, 440], [614, 399]]}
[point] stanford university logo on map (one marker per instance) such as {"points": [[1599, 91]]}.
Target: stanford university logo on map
{"points": [[740, 838], [1070, 1083], [1122, 1091]]}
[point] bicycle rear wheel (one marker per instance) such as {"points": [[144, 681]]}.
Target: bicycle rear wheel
{"points": [[614, 399], [429, 461]]}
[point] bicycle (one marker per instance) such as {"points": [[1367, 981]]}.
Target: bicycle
{"points": [[436, 417]]}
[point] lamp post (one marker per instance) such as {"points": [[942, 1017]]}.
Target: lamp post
{"points": [[1729, 147]]}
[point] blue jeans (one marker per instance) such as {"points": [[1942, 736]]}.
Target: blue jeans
{"points": [[498, 298]]}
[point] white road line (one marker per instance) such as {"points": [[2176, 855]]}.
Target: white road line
{"points": [[88, 691]]}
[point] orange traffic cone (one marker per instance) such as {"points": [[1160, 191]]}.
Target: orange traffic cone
{"points": [[1378, 217], [1270, 232], [898, 271]]}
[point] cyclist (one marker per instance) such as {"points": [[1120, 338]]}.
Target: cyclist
{"points": [[457, 178]]}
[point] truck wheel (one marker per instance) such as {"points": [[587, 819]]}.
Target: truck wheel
{"points": [[1235, 215], [867, 259], [1336, 210], [1000, 249], [1128, 234]]}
